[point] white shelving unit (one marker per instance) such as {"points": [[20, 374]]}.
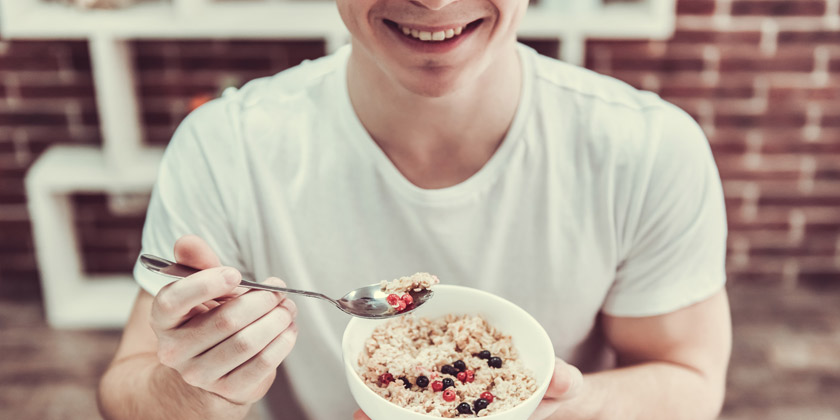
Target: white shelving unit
{"points": [[124, 166]]}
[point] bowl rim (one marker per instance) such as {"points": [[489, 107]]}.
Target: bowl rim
{"points": [[542, 333]]}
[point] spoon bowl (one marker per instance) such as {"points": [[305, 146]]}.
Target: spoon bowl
{"points": [[364, 302]]}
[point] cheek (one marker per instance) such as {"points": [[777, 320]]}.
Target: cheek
{"points": [[351, 12]]}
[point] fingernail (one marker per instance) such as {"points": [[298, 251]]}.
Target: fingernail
{"points": [[231, 276]]}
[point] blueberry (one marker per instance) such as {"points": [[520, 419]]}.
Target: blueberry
{"points": [[449, 370], [406, 383], [460, 365], [480, 404], [464, 408], [494, 362], [422, 381], [484, 354], [447, 382]]}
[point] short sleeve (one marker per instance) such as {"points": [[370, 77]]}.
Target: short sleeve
{"points": [[673, 247], [191, 195]]}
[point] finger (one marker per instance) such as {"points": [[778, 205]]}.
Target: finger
{"points": [[565, 382], [245, 344], [360, 415], [191, 250], [209, 329], [250, 376], [177, 299]]}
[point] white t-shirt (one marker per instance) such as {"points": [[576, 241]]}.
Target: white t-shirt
{"points": [[601, 198]]}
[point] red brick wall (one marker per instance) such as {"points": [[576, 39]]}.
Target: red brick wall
{"points": [[761, 77]]}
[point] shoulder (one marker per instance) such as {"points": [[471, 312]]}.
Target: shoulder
{"points": [[264, 102], [610, 113]]}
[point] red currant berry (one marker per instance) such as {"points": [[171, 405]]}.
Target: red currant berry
{"points": [[449, 395], [386, 378], [487, 396], [437, 386], [393, 300], [407, 299], [401, 306], [462, 376], [470, 375]]}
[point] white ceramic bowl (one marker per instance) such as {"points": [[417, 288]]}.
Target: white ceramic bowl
{"points": [[529, 339]]}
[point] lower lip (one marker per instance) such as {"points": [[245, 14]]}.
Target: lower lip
{"points": [[433, 47]]}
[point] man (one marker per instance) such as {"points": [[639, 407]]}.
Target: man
{"points": [[436, 143]]}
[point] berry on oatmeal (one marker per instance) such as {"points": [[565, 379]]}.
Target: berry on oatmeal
{"points": [[406, 383], [437, 386], [393, 300], [480, 404], [484, 354], [464, 408], [470, 375], [460, 365], [448, 369], [386, 378], [495, 362], [487, 396], [449, 395], [462, 376], [407, 299], [448, 382], [422, 381]]}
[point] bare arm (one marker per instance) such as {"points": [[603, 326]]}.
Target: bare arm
{"points": [[201, 349], [671, 367]]}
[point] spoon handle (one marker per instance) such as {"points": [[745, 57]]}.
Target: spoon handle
{"points": [[179, 271]]}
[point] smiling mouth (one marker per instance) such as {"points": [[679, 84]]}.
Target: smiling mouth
{"points": [[433, 36]]}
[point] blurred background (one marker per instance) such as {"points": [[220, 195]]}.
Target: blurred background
{"points": [[88, 98]]}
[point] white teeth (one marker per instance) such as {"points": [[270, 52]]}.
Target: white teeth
{"points": [[431, 36]]}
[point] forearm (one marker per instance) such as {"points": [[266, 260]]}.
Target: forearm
{"points": [[649, 391], [140, 387]]}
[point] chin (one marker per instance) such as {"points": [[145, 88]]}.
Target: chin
{"points": [[435, 83]]}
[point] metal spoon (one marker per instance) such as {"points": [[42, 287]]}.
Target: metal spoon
{"points": [[364, 302]]}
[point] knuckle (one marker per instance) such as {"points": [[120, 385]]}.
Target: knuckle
{"points": [[264, 362], [283, 317], [289, 336], [163, 304], [242, 344], [224, 321]]}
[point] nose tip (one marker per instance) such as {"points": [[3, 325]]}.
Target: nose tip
{"points": [[432, 4]]}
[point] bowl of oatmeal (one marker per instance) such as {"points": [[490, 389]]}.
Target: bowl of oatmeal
{"points": [[465, 353]]}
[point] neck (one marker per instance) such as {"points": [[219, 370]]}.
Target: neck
{"points": [[437, 141]]}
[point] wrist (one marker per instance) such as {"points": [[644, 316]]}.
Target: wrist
{"points": [[194, 402]]}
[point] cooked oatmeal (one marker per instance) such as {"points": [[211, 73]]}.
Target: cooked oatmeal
{"points": [[447, 367], [413, 283]]}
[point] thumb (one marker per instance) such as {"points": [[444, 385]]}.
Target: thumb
{"points": [[565, 382], [192, 251]]}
